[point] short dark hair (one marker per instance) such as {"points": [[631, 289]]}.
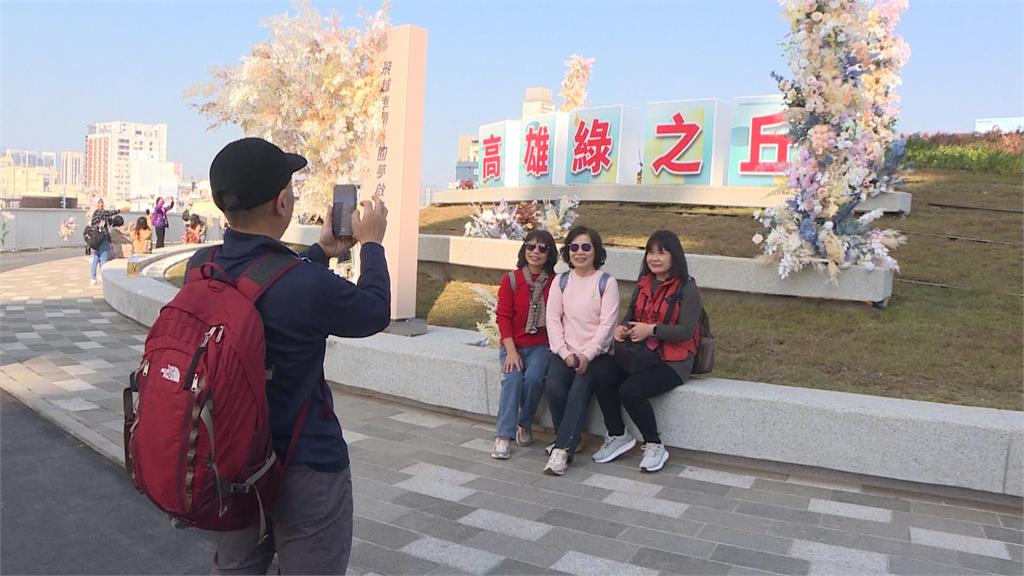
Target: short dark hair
{"points": [[543, 237], [669, 242], [600, 255]]}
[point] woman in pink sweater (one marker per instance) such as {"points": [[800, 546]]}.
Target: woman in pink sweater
{"points": [[582, 311]]}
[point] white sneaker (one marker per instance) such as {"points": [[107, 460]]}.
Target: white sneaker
{"points": [[558, 462], [92, 282], [502, 448], [655, 457], [613, 447]]}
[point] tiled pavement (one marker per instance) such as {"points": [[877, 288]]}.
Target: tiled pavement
{"points": [[429, 499]]}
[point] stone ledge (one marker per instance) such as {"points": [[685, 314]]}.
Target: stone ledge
{"points": [[948, 445], [712, 272], [733, 196]]}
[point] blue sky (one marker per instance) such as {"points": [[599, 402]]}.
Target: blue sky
{"points": [[68, 64]]}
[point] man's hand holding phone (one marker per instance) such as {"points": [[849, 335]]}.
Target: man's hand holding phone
{"points": [[371, 223]]}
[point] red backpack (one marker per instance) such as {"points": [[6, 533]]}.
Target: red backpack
{"points": [[197, 439]]}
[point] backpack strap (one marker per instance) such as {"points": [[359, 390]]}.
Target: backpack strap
{"points": [[675, 300], [261, 274], [203, 256], [512, 280], [563, 281]]}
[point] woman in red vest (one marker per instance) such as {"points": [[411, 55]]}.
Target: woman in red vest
{"points": [[522, 300], [663, 316]]}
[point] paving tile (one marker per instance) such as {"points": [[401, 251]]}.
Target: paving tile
{"points": [[912, 567], [850, 510], [767, 497], [873, 500], [697, 548], [382, 560], [955, 513], [884, 529], [718, 477], [74, 385], [746, 571], [455, 555], [541, 553], [435, 488], [506, 524], [582, 523], [824, 483], [959, 542], [1015, 522], [760, 560], [779, 513], [646, 504], [940, 524], [586, 565], [828, 560], [439, 473], [745, 539], [990, 564], [498, 503], [75, 404], [617, 484], [728, 519], [382, 534], [514, 567], [1004, 534], [449, 510], [479, 444], [422, 419], [435, 526], [378, 510], [700, 498], [363, 487]]}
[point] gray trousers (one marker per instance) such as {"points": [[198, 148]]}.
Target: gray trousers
{"points": [[310, 529]]}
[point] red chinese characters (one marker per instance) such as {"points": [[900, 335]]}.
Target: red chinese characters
{"points": [[592, 147], [669, 161], [492, 158], [759, 139], [536, 158]]}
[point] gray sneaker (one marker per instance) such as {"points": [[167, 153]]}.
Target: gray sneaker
{"points": [[502, 448], [523, 437], [613, 447], [558, 462], [655, 457]]}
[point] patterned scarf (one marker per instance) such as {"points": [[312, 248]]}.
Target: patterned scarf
{"points": [[535, 319]]}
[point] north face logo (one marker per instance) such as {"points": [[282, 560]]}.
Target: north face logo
{"points": [[171, 372]]}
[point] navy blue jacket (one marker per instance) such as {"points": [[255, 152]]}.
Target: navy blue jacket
{"points": [[307, 304]]}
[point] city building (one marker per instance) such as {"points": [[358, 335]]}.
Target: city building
{"points": [[469, 153], [72, 168], [26, 175], [127, 162], [538, 101]]}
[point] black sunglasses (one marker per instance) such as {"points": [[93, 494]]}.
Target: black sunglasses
{"points": [[531, 246], [586, 246]]}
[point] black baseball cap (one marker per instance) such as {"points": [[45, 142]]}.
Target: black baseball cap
{"points": [[250, 172]]}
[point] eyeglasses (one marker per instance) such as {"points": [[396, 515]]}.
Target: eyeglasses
{"points": [[532, 246], [586, 246]]}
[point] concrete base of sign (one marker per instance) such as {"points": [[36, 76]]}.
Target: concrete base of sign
{"points": [[735, 196], [407, 327], [958, 446], [712, 272]]}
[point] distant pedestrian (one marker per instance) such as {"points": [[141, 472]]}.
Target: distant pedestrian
{"points": [[101, 222], [142, 236], [159, 220]]}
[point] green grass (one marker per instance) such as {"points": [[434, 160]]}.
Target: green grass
{"points": [[970, 157]]}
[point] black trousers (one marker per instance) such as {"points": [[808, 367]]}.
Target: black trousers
{"points": [[616, 389], [160, 232]]}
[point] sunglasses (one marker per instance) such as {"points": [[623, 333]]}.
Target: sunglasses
{"points": [[532, 246], [586, 246]]}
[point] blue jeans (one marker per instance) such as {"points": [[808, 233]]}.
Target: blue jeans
{"points": [[99, 256], [521, 390], [569, 399]]}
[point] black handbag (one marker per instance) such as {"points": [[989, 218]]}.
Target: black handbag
{"points": [[635, 357]]}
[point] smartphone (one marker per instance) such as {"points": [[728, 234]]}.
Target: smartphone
{"points": [[345, 199]]}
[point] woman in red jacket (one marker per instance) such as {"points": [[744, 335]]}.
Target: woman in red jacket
{"points": [[524, 353], [663, 317]]}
